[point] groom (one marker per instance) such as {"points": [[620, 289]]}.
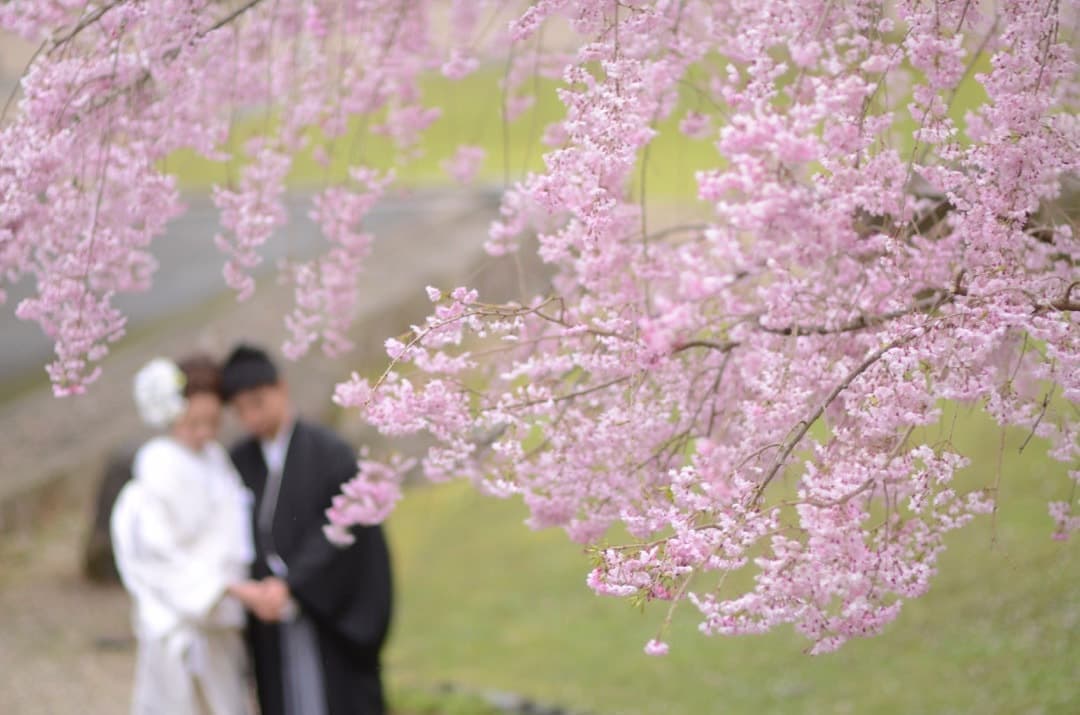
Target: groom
{"points": [[322, 612]]}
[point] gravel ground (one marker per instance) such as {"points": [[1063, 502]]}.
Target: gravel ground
{"points": [[65, 644]]}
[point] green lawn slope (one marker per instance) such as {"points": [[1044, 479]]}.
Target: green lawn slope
{"points": [[485, 603]]}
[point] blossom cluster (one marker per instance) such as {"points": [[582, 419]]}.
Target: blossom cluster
{"points": [[751, 394], [745, 393]]}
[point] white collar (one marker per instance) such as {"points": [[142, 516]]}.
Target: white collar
{"points": [[275, 450], [281, 439]]}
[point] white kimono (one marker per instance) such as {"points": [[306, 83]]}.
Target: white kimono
{"points": [[181, 534]]}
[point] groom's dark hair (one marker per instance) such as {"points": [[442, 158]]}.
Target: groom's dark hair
{"points": [[247, 368]]}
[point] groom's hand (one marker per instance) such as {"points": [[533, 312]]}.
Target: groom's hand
{"points": [[267, 599], [276, 599]]}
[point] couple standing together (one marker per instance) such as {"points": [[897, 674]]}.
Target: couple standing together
{"points": [[216, 546]]}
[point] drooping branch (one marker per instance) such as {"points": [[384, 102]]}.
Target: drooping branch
{"points": [[83, 23], [806, 423]]}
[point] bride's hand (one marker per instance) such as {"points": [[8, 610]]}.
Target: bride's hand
{"points": [[247, 592]]}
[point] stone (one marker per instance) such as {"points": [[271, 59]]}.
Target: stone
{"points": [[98, 563]]}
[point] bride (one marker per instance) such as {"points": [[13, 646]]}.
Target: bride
{"points": [[181, 535]]}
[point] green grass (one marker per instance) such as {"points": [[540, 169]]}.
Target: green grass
{"points": [[472, 113], [485, 603]]}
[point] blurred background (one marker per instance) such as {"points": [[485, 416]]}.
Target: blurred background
{"points": [[491, 617]]}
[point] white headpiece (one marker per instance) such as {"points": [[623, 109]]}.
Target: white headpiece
{"points": [[159, 392]]}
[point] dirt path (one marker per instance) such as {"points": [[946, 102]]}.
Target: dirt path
{"points": [[64, 643]]}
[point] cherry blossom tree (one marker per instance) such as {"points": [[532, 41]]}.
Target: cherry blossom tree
{"points": [[741, 394]]}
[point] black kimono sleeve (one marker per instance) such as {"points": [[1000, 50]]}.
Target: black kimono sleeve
{"points": [[347, 588]]}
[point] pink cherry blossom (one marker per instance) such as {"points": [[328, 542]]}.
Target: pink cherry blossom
{"points": [[744, 392], [465, 163]]}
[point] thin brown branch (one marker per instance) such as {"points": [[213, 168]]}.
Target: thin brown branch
{"points": [[862, 488], [997, 488], [483, 311], [976, 56], [840, 501], [924, 305], [504, 115], [1066, 302], [230, 17], [712, 410], [709, 344], [820, 410], [1050, 38], [963, 16], [168, 55], [1038, 420], [569, 395], [81, 25], [672, 230]]}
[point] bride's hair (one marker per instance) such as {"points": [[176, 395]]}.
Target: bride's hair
{"points": [[202, 374]]}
